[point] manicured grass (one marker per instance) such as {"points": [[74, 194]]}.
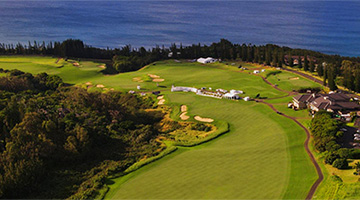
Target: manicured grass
{"points": [[289, 81], [232, 165], [261, 157]]}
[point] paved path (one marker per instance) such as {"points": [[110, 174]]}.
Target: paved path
{"points": [[306, 143], [306, 146]]}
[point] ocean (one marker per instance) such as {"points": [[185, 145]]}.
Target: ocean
{"points": [[331, 27]]}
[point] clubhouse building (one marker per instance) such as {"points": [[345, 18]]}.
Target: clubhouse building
{"points": [[339, 104]]}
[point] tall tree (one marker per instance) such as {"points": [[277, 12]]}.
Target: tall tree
{"points": [[300, 62], [331, 77], [348, 77], [306, 63], [357, 78], [312, 66]]}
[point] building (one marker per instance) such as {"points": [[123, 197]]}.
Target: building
{"points": [[337, 103], [247, 99], [183, 89], [206, 60], [236, 92], [301, 101], [256, 71]]}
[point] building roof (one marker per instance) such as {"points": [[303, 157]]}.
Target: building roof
{"points": [[306, 97]]}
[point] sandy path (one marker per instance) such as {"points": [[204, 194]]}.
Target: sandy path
{"points": [[200, 119]]}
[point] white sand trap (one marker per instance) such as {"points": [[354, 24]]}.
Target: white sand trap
{"points": [[200, 119], [183, 116], [160, 97], [153, 76], [158, 80], [102, 66], [183, 108], [100, 86], [88, 83], [112, 89], [161, 102], [76, 64], [294, 78]]}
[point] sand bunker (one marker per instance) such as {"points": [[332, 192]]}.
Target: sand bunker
{"points": [[88, 83], [200, 119], [153, 76], [183, 116], [76, 64], [158, 80], [160, 97], [294, 78], [161, 102], [137, 79], [183, 108], [100, 86], [112, 89], [102, 66]]}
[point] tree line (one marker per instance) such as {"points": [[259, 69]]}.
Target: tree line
{"points": [[63, 142], [327, 136], [334, 69]]}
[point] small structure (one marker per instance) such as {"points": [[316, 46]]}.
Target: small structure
{"points": [[263, 70], [206, 60], [246, 98], [236, 92], [231, 96], [221, 90], [183, 89], [131, 92], [138, 87], [256, 71]]}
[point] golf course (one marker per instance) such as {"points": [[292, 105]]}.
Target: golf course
{"points": [[262, 156]]}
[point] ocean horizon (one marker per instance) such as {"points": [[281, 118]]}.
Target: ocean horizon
{"points": [[331, 27]]}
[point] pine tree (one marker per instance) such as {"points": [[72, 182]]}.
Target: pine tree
{"points": [[357, 78], [331, 77], [320, 69], [306, 63], [325, 74], [300, 62], [290, 60], [348, 78], [312, 66]]}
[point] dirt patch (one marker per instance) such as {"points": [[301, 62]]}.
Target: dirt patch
{"points": [[183, 116], [294, 78], [137, 79], [161, 102], [102, 66], [201, 119], [183, 108], [100, 86], [153, 76], [160, 97], [158, 80]]}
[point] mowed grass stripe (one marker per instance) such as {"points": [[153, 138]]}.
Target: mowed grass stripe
{"points": [[252, 161]]}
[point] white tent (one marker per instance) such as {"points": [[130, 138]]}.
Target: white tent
{"points": [[206, 60], [231, 96], [246, 98], [256, 71], [236, 92]]}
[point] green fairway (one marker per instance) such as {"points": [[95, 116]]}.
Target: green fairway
{"points": [[248, 162], [289, 81], [262, 157]]}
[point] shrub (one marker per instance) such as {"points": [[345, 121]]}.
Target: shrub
{"points": [[273, 73], [330, 158], [340, 163]]}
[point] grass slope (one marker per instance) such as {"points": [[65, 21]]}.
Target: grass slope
{"points": [[245, 163], [261, 157]]}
